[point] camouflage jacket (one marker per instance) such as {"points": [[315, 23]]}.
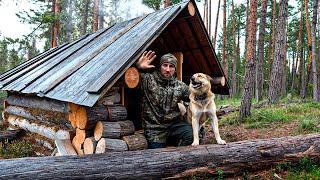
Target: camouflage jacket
{"points": [[159, 104]]}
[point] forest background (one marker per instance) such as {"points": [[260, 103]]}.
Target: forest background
{"points": [[268, 49]]}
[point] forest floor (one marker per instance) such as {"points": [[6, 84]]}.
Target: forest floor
{"points": [[283, 119]]}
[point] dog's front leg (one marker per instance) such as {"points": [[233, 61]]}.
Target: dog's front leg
{"points": [[195, 128], [215, 128]]}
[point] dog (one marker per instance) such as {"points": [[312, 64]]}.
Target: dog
{"points": [[201, 106]]}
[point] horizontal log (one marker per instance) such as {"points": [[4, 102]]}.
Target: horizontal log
{"points": [[48, 132], [136, 142], [113, 129], [117, 113], [105, 144], [42, 116], [38, 103], [132, 77], [241, 157]]}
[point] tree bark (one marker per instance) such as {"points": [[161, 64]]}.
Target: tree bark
{"points": [[167, 3], [136, 142], [95, 15], [299, 46], [56, 25], [69, 26], [273, 38], [235, 56], [216, 27], [38, 103], [46, 131], [314, 53], [224, 41], [101, 14], [113, 129], [278, 67], [85, 17], [209, 18], [245, 108], [105, 144], [233, 158], [260, 62]]}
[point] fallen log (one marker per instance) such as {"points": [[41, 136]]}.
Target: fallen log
{"points": [[236, 157]]}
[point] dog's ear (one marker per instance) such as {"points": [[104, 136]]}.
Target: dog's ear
{"points": [[209, 79]]}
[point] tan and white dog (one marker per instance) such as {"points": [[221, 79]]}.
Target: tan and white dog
{"points": [[202, 106]]}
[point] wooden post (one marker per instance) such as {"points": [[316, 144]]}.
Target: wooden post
{"points": [[179, 57]]}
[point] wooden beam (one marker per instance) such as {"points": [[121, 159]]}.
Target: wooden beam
{"points": [[235, 158], [37, 103], [179, 57]]}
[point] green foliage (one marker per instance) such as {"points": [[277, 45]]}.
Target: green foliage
{"points": [[265, 117], [155, 4], [15, 149], [304, 169]]}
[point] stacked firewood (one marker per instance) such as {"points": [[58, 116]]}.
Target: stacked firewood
{"points": [[112, 133]]}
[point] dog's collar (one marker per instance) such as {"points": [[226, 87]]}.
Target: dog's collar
{"points": [[201, 97]]}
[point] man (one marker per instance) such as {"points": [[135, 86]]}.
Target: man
{"points": [[161, 91]]}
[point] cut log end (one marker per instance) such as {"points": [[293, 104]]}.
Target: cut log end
{"points": [[98, 130], [131, 77], [89, 145], [191, 9], [218, 81]]}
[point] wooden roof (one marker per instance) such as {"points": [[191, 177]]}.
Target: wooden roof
{"points": [[82, 71]]}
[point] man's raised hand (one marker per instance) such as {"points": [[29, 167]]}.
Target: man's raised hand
{"points": [[146, 59]]}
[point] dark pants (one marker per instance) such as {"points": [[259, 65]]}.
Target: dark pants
{"points": [[180, 134]]}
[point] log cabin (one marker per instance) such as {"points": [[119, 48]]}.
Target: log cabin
{"points": [[81, 95]]}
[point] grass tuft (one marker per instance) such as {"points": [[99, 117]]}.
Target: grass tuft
{"points": [[15, 149]]}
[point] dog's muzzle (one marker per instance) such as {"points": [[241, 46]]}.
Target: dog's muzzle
{"points": [[195, 84]]}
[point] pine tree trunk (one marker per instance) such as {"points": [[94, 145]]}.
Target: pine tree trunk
{"points": [[250, 65], [224, 41], [56, 26], [308, 75], [95, 15], [260, 62], [85, 17], [273, 38], [167, 3], [280, 51], [299, 43], [314, 53], [216, 27], [209, 18], [69, 27], [234, 61], [101, 14]]}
